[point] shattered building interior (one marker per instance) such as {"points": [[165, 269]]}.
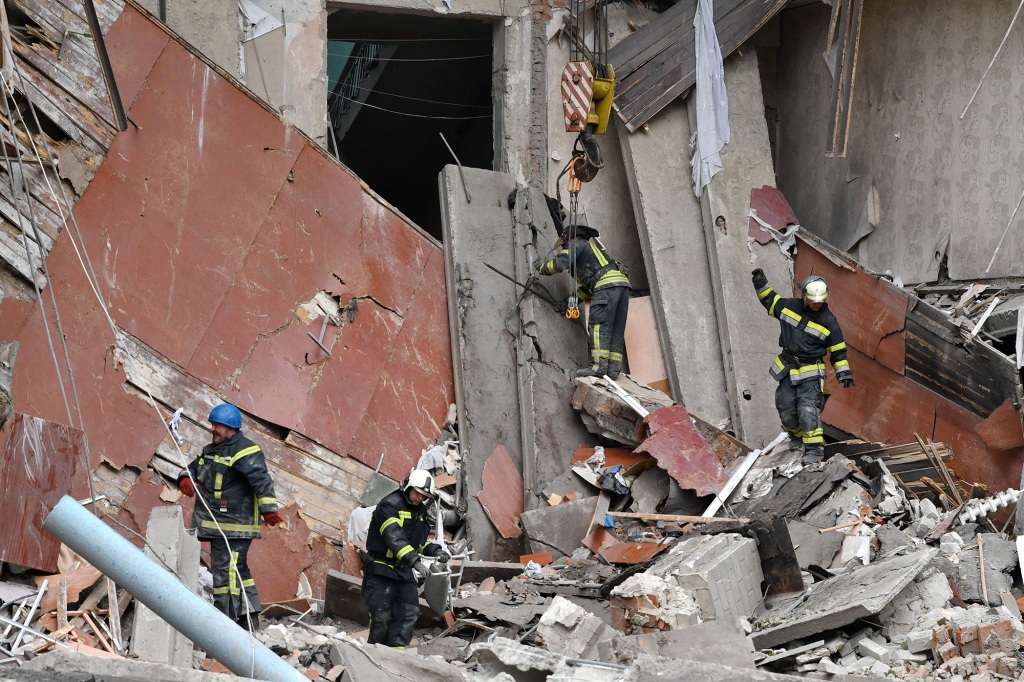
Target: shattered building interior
{"points": [[329, 215]]}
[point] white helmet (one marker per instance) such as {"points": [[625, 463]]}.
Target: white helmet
{"points": [[421, 481], [815, 290]]}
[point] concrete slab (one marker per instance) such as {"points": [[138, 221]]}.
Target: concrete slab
{"points": [[478, 571], [570, 630], [649, 490], [493, 607], [1000, 562], [561, 528], [813, 548], [377, 662], [569, 482], [483, 352], [153, 639], [844, 599], [718, 641], [71, 663]]}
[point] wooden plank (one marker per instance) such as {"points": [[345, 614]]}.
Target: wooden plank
{"points": [[643, 343], [641, 46], [842, 102]]}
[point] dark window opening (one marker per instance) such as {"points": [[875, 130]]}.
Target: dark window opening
{"points": [[396, 83], [24, 27], [21, 109]]}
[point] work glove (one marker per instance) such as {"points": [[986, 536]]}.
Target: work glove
{"points": [[847, 382], [273, 519], [757, 274], [442, 557], [538, 263], [562, 306], [420, 568], [186, 487]]}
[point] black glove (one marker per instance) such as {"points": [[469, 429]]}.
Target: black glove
{"points": [[443, 557], [847, 382], [539, 262], [562, 306], [420, 568], [757, 274]]}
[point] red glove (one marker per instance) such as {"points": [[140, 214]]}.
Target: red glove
{"points": [[272, 518], [186, 487]]}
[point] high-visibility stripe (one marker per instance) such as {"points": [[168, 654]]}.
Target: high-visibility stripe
{"points": [[771, 309], [596, 343], [615, 357], [249, 582], [251, 450], [232, 572], [390, 521], [841, 364], [262, 501], [218, 482], [237, 527], [405, 550], [814, 437], [790, 317], [838, 346], [613, 277], [220, 590], [817, 327], [404, 515], [601, 260], [763, 293]]}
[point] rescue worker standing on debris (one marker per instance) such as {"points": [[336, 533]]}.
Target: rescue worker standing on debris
{"points": [[809, 331], [395, 545], [602, 283], [234, 490]]}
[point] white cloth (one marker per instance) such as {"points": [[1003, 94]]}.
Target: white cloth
{"points": [[711, 99], [359, 524]]}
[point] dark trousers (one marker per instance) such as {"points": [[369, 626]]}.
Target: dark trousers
{"points": [[394, 607], [234, 590], [800, 411], [606, 326]]}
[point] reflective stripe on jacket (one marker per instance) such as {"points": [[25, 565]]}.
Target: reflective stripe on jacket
{"points": [[806, 338], [593, 268], [233, 479]]}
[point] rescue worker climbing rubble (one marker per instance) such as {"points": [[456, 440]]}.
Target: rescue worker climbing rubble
{"points": [[395, 546], [809, 332], [602, 282], [233, 490]]}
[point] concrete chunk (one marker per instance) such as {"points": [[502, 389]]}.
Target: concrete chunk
{"points": [[845, 599], [718, 641], [572, 631], [561, 528]]}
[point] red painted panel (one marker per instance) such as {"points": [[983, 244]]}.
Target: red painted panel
{"points": [[36, 470], [133, 45], [415, 389], [771, 207], [972, 460], [179, 199], [1002, 430], [632, 552], [867, 309], [502, 493], [682, 451], [144, 497], [280, 555]]}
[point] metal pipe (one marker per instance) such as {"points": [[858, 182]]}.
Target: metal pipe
{"points": [[32, 612], [165, 595], [120, 119]]}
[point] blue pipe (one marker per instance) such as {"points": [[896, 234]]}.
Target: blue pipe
{"points": [[162, 592]]}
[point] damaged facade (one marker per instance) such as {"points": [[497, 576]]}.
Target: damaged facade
{"points": [[272, 229]]}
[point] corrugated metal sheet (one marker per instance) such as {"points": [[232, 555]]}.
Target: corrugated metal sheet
{"points": [[36, 469], [214, 228]]}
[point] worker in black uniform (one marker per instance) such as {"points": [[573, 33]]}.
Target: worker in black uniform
{"points": [[235, 490], [395, 544], [809, 331], [602, 283]]}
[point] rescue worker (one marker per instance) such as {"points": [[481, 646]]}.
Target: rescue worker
{"points": [[395, 545], [602, 283], [809, 331], [234, 490]]}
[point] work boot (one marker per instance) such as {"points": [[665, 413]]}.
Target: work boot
{"points": [[813, 454], [254, 618], [600, 369], [614, 369]]}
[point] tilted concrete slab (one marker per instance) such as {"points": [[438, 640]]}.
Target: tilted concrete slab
{"points": [[559, 528], [72, 663], [718, 641], [719, 342], [364, 662], [842, 600]]}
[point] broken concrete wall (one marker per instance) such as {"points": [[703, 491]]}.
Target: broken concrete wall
{"points": [[218, 257], [211, 26], [709, 317], [933, 176]]}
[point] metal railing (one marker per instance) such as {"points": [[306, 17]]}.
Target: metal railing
{"points": [[363, 60]]}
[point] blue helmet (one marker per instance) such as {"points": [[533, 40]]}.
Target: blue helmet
{"points": [[226, 414]]}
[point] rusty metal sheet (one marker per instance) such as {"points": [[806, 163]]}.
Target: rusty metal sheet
{"points": [[133, 44], [1002, 430], [631, 462], [501, 495], [868, 309], [280, 556], [771, 207], [598, 540], [632, 552], [133, 518], [183, 215], [683, 452], [36, 470]]}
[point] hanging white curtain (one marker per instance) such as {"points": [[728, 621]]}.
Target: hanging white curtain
{"points": [[710, 98]]}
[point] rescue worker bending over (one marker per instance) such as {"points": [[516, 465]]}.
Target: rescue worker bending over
{"points": [[603, 284], [395, 544], [232, 479], [809, 331]]}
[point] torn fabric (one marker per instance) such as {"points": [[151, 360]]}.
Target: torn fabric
{"points": [[711, 99]]}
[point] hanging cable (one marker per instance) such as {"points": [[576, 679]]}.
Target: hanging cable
{"points": [[403, 113], [424, 59]]}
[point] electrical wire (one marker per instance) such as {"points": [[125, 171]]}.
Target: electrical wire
{"points": [[415, 99], [403, 113], [408, 40]]}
